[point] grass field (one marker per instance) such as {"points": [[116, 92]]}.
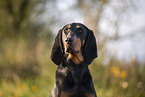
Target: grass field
{"points": [[28, 72]]}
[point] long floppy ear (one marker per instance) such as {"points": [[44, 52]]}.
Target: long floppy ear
{"points": [[57, 49], [90, 48]]}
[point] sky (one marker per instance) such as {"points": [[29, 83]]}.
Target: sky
{"points": [[132, 31]]}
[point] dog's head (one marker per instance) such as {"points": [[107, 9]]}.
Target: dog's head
{"points": [[76, 42]]}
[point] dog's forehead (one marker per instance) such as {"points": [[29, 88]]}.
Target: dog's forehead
{"points": [[75, 26]]}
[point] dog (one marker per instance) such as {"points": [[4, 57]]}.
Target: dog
{"points": [[73, 51]]}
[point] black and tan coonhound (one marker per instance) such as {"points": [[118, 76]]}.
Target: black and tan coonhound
{"points": [[73, 50]]}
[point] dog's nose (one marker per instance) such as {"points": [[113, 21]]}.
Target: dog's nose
{"points": [[69, 40]]}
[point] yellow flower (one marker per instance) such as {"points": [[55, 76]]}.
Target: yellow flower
{"points": [[123, 74], [34, 88], [115, 71], [0, 93], [124, 84], [20, 86], [15, 96]]}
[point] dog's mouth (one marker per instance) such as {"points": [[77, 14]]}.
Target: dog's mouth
{"points": [[71, 50]]}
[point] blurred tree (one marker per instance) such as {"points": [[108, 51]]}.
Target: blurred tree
{"points": [[16, 17], [93, 9], [20, 37]]}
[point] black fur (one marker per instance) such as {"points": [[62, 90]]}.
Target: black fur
{"points": [[74, 80], [90, 49], [57, 50]]}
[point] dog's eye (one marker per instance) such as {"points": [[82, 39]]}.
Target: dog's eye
{"points": [[66, 31], [80, 31]]}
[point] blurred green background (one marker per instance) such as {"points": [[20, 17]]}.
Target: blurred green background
{"points": [[28, 29]]}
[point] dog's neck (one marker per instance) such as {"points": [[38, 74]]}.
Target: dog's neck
{"points": [[77, 70]]}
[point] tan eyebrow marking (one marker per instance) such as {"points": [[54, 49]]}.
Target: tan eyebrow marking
{"points": [[69, 26], [78, 26]]}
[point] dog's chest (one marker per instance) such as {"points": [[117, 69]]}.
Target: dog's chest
{"points": [[77, 73], [74, 81], [72, 77]]}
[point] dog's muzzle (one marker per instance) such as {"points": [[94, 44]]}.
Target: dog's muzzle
{"points": [[70, 49]]}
